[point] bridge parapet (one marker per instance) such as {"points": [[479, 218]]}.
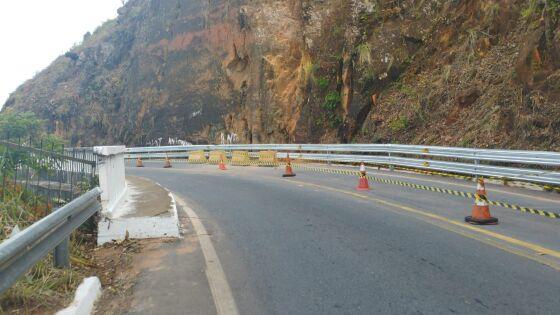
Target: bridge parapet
{"points": [[110, 161]]}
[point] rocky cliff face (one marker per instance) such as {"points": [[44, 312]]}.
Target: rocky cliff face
{"points": [[469, 73]]}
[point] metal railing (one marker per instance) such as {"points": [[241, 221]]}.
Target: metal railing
{"points": [[23, 250], [531, 166]]}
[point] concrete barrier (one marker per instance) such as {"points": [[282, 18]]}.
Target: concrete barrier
{"points": [[240, 158], [111, 175], [215, 157], [197, 157], [268, 158]]}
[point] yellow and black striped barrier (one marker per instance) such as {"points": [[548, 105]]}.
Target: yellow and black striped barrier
{"points": [[470, 178], [267, 158], [240, 158], [214, 157], [431, 188], [197, 157]]}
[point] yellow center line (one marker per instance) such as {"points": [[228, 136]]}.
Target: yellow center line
{"points": [[537, 249]]}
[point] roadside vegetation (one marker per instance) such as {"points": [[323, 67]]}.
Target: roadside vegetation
{"points": [[43, 288]]}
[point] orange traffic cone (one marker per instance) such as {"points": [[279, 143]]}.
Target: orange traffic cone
{"points": [[481, 210], [139, 162], [222, 165], [362, 182], [288, 172], [167, 163]]}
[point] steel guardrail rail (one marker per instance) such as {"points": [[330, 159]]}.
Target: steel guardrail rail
{"points": [[23, 250], [448, 159]]}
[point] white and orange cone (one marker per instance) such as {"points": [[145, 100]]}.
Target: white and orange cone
{"points": [[167, 163], [139, 162], [362, 182], [481, 210], [288, 172], [222, 165]]}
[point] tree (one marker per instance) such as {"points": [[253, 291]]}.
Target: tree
{"points": [[22, 125]]}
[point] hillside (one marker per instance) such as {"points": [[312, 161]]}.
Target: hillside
{"points": [[466, 73]]}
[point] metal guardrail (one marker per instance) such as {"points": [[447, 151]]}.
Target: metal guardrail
{"points": [[507, 164], [26, 248]]}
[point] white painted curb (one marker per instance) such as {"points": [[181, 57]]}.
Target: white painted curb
{"points": [[86, 295]]}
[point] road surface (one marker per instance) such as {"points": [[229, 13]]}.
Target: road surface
{"points": [[313, 245]]}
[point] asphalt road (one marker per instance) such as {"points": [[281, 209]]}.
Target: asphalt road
{"points": [[313, 245]]}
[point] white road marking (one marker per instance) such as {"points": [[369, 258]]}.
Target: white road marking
{"points": [[219, 286]]}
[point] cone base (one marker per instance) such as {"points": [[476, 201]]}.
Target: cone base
{"points": [[481, 221], [288, 175], [139, 165], [222, 167], [362, 184], [167, 166]]}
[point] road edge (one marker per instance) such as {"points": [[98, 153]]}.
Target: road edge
{"points": [[219, 286]]}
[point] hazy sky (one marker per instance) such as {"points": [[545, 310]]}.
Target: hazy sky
{"points": [[34, 32]]}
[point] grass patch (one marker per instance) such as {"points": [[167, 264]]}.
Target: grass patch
{"points": [[530, 10], [399, 124], [364, 54]]}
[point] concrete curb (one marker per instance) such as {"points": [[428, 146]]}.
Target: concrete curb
{"points": [[139, 227], [86, 295]]}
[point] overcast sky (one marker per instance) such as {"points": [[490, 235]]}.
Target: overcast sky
{"points": [[34, 32]]}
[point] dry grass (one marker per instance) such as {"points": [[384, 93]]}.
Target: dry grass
{"points": [[45, 288]]}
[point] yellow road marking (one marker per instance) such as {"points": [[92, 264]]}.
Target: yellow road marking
{"points": [[539, 250]]}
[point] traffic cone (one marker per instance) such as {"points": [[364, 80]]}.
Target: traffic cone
{"points": [[288, 172], [139, 162], [221, 165], [362, 182], [167, 163], [481, 210]]}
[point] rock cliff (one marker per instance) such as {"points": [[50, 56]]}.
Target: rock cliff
{"points": [[467, 73]]}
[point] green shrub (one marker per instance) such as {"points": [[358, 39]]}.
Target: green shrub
{"points": [[332, 100], [322, 83], [335, 120]]}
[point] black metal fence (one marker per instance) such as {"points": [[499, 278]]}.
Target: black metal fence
{"points": [[38, 176]]}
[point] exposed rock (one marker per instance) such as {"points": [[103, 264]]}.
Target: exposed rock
{"points": [[307, 71]]}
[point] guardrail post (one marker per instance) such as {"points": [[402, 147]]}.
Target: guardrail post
{"points": [[391, 166], [61, 254], [475, 167]]}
